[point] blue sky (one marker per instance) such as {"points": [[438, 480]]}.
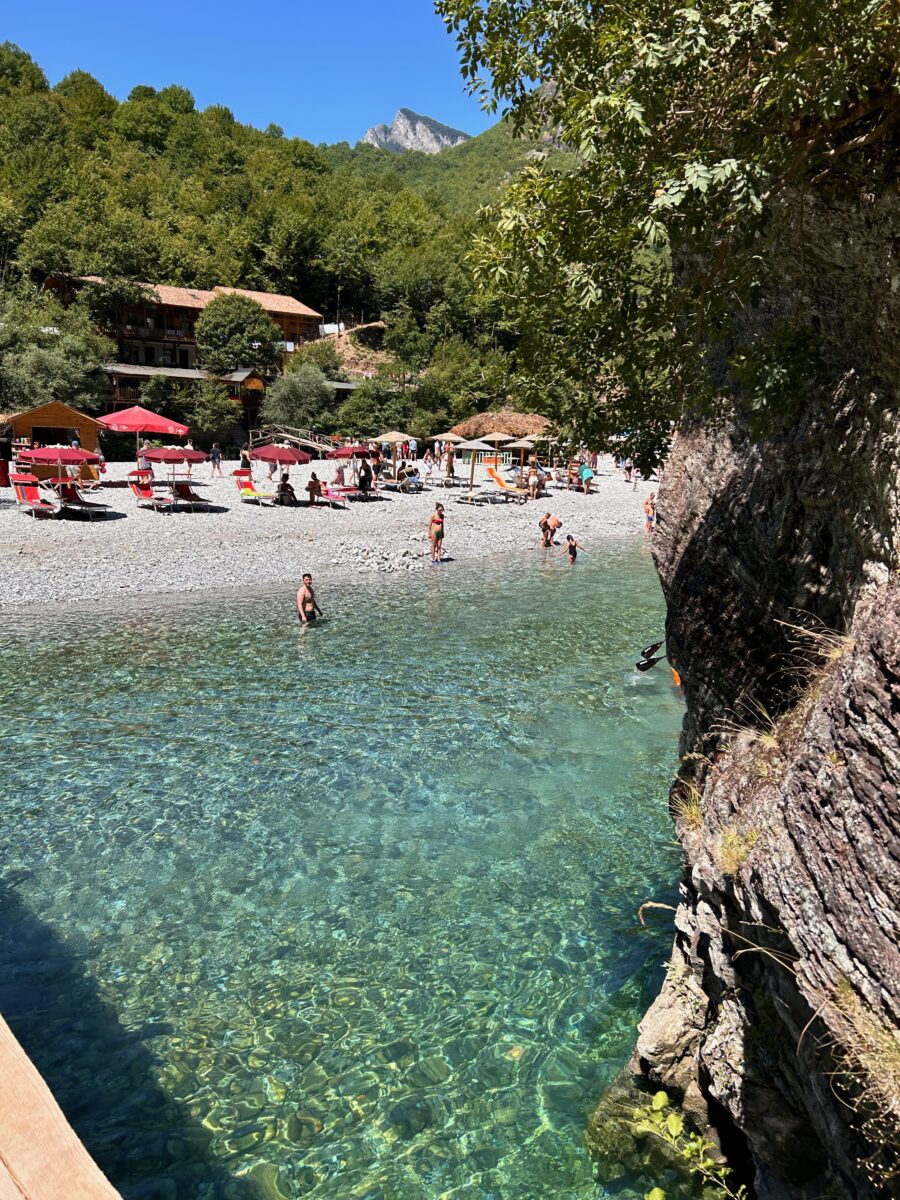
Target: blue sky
{"points": [[324, 71]]}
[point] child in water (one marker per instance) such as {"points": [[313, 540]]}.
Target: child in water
{"points": [[571, 548]]}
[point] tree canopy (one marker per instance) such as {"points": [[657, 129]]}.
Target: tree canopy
{"points": [[153, 188], [48, 352], [301, 399], [234, 331], [690, 123]]}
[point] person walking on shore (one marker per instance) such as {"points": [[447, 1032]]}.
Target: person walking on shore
{"points": [[436, 533], [307, 606], [215, 461]]}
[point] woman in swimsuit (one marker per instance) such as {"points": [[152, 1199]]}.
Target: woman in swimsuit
{"points": [[650, 512], [571, 548], [436, 533]]}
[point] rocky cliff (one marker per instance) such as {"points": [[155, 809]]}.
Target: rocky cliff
{"points": [[411, 131], [779, 1020]]}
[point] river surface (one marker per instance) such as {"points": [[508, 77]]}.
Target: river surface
{"points": [[343, 912]]}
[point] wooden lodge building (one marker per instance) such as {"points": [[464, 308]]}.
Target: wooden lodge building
{"points": [[156, 337]]}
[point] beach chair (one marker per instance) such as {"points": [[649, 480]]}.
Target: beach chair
{"points": [[334, 495], [473, 497], [141, 484], [185, 494], [74, 500], [509, 490], [30, 498], [247, 489]]}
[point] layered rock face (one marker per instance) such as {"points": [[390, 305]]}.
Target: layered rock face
{"points": [[412, 131], [779, 1020]]}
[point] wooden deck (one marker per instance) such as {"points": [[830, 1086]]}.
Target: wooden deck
{"points": [[41, 1157]]}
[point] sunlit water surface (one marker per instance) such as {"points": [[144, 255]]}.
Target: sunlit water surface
{"points": [[343, 912]]}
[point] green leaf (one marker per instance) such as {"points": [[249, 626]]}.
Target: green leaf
{"points": [[660, 1101], [655, 1194], [674, 1124]]}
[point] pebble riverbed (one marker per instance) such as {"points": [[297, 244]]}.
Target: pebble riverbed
{"points": [[137, 551]]}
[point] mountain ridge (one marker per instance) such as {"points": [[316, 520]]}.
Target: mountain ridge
{"points": [[413, 131]]}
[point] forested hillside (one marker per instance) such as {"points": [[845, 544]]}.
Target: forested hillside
{"points": [[153, 189], [462, 178]]}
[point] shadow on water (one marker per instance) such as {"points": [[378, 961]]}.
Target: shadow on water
{"points": [[144, 1140]]}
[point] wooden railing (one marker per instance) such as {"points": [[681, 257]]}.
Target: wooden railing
{"points": [[306, 438]]}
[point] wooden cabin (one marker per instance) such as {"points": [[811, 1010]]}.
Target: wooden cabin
{"points": [[50, 425]]}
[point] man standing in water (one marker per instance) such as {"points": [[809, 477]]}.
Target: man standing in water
{"points": [[307, 608]]}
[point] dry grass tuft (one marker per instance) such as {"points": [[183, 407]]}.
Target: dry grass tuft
{"points": [[815, 648], [758, 727], [734, 848], [686, 805], [867, 1056]]}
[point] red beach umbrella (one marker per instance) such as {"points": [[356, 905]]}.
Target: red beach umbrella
{"points": [[65, 456], [174, 454], [139, 420], [350, 452], [142, 420], [283, 455]]}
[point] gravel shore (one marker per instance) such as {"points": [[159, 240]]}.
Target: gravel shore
{"points": [[138, 551]]}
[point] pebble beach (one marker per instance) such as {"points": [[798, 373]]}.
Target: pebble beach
{"points": [[137, 551]]}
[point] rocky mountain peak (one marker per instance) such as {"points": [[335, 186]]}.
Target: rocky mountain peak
{"points": [[411, 131]]}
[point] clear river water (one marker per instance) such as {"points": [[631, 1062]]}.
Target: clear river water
{"points": [[346, 912]]}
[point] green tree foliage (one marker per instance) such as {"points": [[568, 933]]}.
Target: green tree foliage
{"points": [[322, 354], [301, 399], [153, 189], [86, 108], [211, 412], [233, 332], [368, 410], [461, 380], [48, 352], [19, 72], [689, 123]]}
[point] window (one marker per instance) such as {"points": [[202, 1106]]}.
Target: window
{"points": [[150, 355]]}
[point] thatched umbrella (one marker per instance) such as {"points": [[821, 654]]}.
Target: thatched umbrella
{"points": [[454, 439], [475, 446], [522, 444], [516, 424], [497, 439], [394, 439]]}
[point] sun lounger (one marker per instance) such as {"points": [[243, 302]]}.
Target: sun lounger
{"points": [[473, 497], [74, 500], [508, 489], [247, 489], [141, 484], [185, 494], [333, 494], [30, 498]]}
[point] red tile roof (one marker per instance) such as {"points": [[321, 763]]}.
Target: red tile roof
{"points": [[182, 297], [272, 303]]}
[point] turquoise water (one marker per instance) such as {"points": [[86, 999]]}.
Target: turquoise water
{"points": [[346, 911]]}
